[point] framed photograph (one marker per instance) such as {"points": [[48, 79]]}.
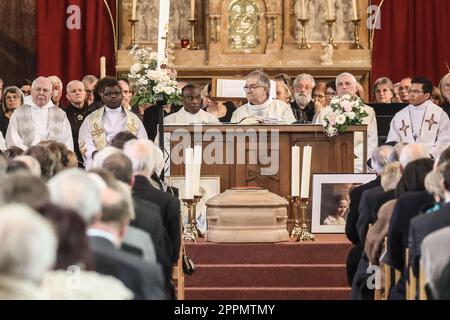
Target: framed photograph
{"points": [[209, 187], [330, 200]]}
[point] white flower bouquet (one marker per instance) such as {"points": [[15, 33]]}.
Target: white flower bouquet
{"points": [[345, 111], [151, 85]]}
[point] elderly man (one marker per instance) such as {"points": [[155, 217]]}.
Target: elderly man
{"points": [[346, 84], [421, 121], [103, 124], [403, 89], [77, 110], [57, 88], [39, 120], [259, 107], [444, 85], [303, 106], [89, 83]]}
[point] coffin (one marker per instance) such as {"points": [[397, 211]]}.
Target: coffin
{"points": [[247, 215]]}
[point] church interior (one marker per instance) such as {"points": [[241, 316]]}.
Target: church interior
{"points": [[224, 150]]}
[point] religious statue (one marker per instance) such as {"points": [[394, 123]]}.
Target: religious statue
{"points": [[326, 58], [179, 24], [147, 25]]}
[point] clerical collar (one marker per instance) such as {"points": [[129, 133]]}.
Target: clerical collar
{"points": [[113, 111], [420, 106], [259, 106], [35, 106]]}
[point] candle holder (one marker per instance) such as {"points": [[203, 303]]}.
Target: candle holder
{"points": [[291, 215], [303, 44], [356, 44], [296, 230], [133, 33], [197, 200], [330, 23], [304, 235], [190, 232], [193, 43]]}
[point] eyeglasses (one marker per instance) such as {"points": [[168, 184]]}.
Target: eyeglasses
{"points": [[251, 88], [113, 93], [414, 91]]}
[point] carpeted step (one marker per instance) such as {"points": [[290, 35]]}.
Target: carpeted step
{"points": [[270, 275], [277, 293]]}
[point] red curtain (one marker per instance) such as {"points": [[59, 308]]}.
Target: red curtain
{"points": [[413, 40], [72, 53]]}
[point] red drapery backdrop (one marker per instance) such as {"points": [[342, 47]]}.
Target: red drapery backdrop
{"points": [[72, 54], [413, 40]]}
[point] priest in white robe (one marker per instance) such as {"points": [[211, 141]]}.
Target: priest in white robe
{"points": [[261, 109], [421, 121], [102, 125], [346, 84], [39, 119]]}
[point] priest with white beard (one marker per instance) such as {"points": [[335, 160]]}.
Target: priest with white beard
{"points": [[259, 107], [102, 125], [38, 120], [421, 121]]}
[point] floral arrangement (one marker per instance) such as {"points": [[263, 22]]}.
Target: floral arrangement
{"points": [[151, 85], [345, 111]]}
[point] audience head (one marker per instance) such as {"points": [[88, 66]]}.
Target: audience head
{"points": [[89, 83], [100, 156], [13, 152], [330, 91], [444, 156], [12, 99], [403, 89], [192, 100], [379, 158], [110, 92], [318, 96], [420, 91], [25, 86], [127, 94], [31, 163], [383, 90], [346, 84], [142, 154], [391, 176], [76, 190], [283, 92], [413, 176], [437, 97], [396, 98], [16, 166], [121, 138], [303, 86], [257, 87], [41, 91], [120, 166], [57, 89], [433, 184], [76, 94], [445, 172], [444, 85], [411, 152], [29, 244], [22, 187], [46, 158]]}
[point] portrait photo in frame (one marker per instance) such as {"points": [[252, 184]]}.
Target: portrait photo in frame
{"points": [[209, 187], [331, 201]]}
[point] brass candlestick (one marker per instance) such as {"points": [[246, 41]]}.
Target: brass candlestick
{"points": [[193, 43], [304, 235], [330, 23], [296, 230], [197, 200], [190, 232], [356, 44], [290, 214], [303, 44], [133, 33]]}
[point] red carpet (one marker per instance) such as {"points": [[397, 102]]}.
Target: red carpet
{"points": [[281, 271]]}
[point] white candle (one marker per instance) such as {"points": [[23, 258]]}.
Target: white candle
{"points": [[355, 10], [192, 9], [133, 10], [330, 10], [303, 9], [295, 171], [306, 171], [197, 169], [102, 67], [189, 172], [164, 10]]}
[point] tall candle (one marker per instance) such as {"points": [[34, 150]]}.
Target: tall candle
{"points": [[192, 9], [355, 10], [197, 169], [303, 9], [133, 10], [189, 172], [102, 67], [330, 9], [295, 171], [164, 10], [306, 171]]}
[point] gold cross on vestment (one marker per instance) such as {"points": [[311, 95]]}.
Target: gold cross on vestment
{"points": [[97, 131], [431, 122], [404, 127], [131, 126]]}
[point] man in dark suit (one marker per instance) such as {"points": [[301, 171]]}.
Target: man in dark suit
{"points": [[106, 235], [142, 154]]}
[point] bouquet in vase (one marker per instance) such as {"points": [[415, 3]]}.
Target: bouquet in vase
{"points": [[151, 85], [345, 111]]}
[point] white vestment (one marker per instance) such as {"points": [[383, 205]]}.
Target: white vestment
{"points": [[39, 124], [427, 124], [113, 122], [275, 111], [372, 135], [183, 117]]}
